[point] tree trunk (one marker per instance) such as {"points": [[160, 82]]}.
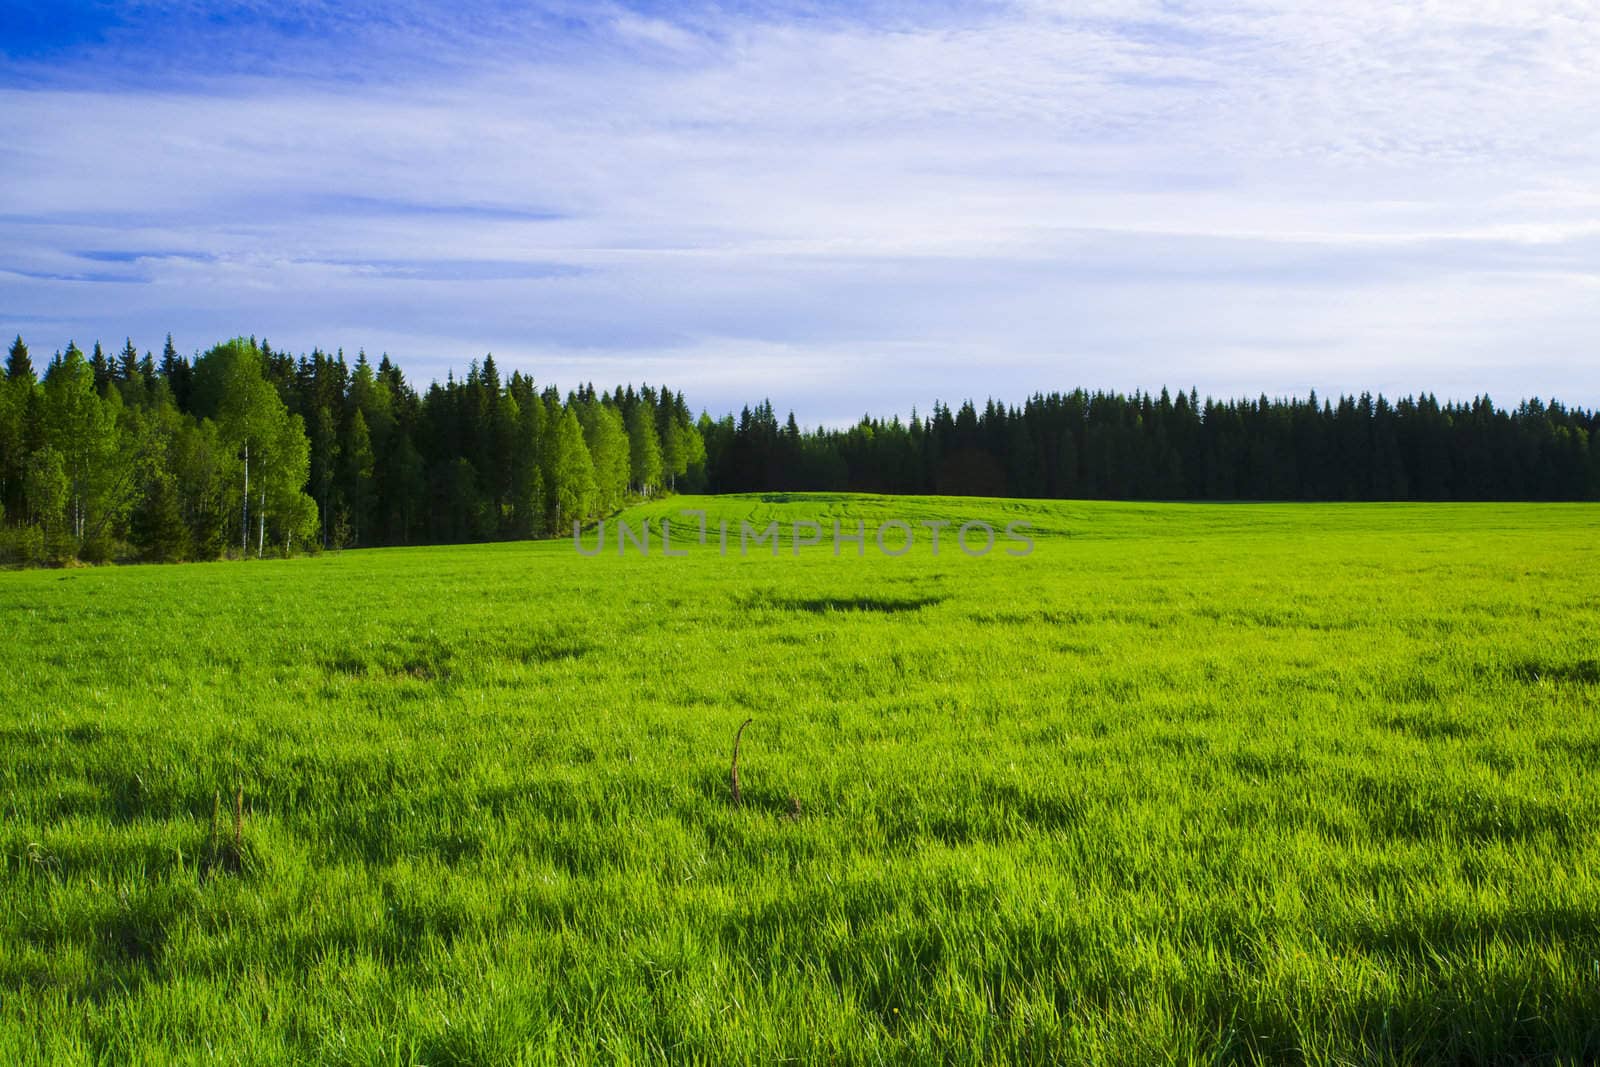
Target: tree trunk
{"points": [[261, 516], [244, 522]]}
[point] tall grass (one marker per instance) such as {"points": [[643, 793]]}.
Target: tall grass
{"points": [[1188, 783]]}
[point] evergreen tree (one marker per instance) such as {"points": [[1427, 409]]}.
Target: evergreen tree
{"points": [[127, 369], [16, 396], [407, 489], [103, 374], [674, 460], [527, 476], [360, 462], [18, 366], [158, 525], [324, 460], [176, 372]]}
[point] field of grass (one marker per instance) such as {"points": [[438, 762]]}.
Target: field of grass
{"points": [[1297, 783]]}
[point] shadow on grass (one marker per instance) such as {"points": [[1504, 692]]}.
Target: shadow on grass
{"points": [[1534, 669], [825, 605]]}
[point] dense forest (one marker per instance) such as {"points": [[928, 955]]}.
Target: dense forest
{"points": [[247, 451]]}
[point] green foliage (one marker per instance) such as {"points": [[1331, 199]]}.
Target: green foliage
{"points": [[1204, 784], [206, 470], [644, 448], [683, 452], [606, 439], [360, 463], [47, 489], [158, 522], [84, 428], [527, 492], [257, 427], [14, 400], [569, 472]]}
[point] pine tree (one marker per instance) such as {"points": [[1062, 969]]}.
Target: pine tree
{"points": [[527, 497], [673, 459], [18, 366], [158, 526], [103, 374], [360, 462], [17, 398], [324, 465], [177, 373], [127, 369], [407, 487]]}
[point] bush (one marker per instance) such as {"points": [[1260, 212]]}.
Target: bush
{"points": [[97, 549], [22, 544]]}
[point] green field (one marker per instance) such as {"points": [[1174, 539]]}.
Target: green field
{"points": [[1190, 783]]}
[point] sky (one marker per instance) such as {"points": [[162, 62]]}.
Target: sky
{"points": [[846, 207]]}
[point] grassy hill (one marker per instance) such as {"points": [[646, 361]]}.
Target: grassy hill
{"points": [[1202, 782]]}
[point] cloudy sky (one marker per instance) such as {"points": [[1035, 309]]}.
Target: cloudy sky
{"points": [[847, 207]]}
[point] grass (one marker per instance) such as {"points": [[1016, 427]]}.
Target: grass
{"points": [[1290, 783]]}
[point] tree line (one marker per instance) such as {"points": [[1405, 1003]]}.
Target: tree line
{"points": [[1106, 445], [245, 450]]}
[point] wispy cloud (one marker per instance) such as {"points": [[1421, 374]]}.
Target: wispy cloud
{"points": [[847, 207]]}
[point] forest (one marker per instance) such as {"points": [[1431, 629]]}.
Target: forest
{"points": [[245, 451]]}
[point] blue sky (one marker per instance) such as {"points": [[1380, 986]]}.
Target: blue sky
{"points": [[847, 207]]}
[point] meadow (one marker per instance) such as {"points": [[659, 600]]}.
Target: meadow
{"points": [[1188, 783]]}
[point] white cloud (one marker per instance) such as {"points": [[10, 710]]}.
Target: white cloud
{"points": [[852, 215]]}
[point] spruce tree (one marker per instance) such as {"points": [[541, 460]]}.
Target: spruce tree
{"points": [[359, 465], [102, 369], [18, 366], [177, 373], [127, 369], [157, 524]]}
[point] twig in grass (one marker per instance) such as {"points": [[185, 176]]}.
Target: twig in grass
{"points": [[216, 829], [733, 774]]}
